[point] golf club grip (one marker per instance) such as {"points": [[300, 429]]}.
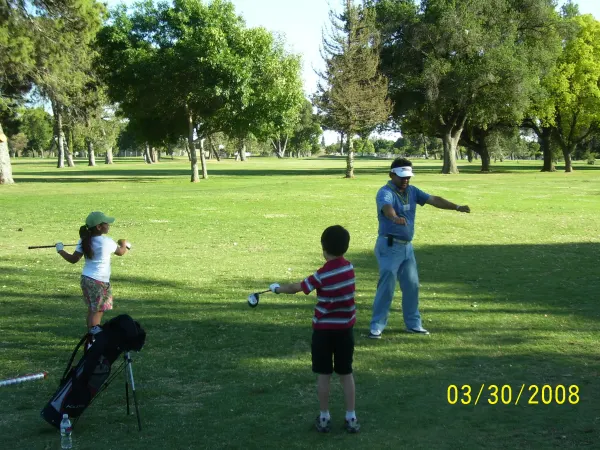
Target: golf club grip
{"points": [[49, 246]]}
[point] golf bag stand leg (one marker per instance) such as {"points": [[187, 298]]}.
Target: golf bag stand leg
{"points": [[129, 380]]}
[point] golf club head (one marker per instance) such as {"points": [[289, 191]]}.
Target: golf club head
{"points": [[253, 300]]}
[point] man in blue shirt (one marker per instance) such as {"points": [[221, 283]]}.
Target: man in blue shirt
{"points": [[396, 212]]}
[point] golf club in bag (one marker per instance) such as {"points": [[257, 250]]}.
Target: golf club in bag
{"points": [[81, 384]]}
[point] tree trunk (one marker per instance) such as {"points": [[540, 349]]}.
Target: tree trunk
{"points": [[424, 145], [203, 160], [109, 156], [192, 147], [69, 149], [69, 157], [58, 135], [350, 158], [285, 143], [5, 166], [450, 140], [187, 150], [153, 155], [342, 144], [213, 149], [545, 145], [279, 150], [147, 157], [567, 156], [91, 155], [69, 137], [469, 155], [485, 157], [243, 151]]}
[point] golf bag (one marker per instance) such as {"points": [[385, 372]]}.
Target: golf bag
{"points": [[80, 384]]}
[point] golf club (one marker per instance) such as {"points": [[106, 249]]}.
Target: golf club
{"points": [[22, 379], [128, 245], [254, 298], [49, 246]]}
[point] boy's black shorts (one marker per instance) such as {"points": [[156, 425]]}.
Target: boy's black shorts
{"points": [[332, 350]]}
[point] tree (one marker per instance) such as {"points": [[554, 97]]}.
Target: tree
{"points": [[352, 93], [456, 61], [541, 117], [37, 126], [383, 145], [16, 64], [211, 64], [575, 87], [63, 73], [306, 134], [273, 108]]}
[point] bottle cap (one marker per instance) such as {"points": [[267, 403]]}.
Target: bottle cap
{"points": [[65, 416]]}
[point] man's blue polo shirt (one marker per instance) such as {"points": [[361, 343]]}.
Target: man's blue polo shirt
{"points": [[405, 205]]}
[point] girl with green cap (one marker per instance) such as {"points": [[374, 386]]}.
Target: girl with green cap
{"points": [[95, 278]]}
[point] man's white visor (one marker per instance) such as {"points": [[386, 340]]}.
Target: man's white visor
{"points": [[403, 172]]}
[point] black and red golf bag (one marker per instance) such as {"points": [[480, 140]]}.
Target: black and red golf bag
{"points": [[81, 383]]}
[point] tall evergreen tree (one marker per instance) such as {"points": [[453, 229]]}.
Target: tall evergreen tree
{"points": [[352, 93], [32, 36]]}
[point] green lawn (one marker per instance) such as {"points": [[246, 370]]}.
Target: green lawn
{"points": [[509, 292]]}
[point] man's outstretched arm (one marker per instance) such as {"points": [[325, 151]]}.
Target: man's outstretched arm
{"points": [[442, 203]]}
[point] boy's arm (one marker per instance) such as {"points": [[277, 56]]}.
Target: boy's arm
{"points": [[291, 288]]}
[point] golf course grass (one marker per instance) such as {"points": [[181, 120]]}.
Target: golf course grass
{"points": [[510, 293]]}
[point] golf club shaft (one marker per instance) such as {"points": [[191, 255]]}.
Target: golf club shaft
{"points": [[49, 246], [24, 378]]}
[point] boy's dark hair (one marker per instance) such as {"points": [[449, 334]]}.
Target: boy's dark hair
{"points": [[335, 240], [400, 162]]}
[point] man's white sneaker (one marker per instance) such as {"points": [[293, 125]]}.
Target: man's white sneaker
{"points": [[419, 330], [375, 334]]}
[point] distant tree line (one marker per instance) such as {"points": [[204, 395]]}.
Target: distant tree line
{"points": [[473, 79]]}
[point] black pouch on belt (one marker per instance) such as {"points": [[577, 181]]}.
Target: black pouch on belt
{"points": [[390, 240]]}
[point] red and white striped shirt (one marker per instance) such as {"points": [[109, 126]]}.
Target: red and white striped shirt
{"points": [[334, 283]]}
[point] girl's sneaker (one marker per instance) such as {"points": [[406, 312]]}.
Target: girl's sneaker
{"points": [[323, 425], [352, 426]]}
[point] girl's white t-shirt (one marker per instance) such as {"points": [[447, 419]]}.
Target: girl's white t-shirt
{"points": [[98, 267]]}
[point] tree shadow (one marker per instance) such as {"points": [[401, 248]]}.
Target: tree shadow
{"points": [[146, 174], [555, 276], [216, 362]]}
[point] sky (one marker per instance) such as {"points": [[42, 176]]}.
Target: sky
{"points": [[301, 23]]}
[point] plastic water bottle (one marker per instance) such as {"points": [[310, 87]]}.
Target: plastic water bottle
{"points": [[66, 430]]}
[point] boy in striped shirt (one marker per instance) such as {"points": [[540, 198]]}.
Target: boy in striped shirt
{"points": [[333, 321]]}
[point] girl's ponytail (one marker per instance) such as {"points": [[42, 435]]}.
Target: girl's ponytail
{"points": [[86, 241]]}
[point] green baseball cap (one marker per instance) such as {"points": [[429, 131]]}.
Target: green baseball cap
{"points": [[96, 218]]}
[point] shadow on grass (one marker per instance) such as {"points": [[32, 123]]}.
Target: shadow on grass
{"points": [[153, 173], [227, 367], [551, 275]]}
